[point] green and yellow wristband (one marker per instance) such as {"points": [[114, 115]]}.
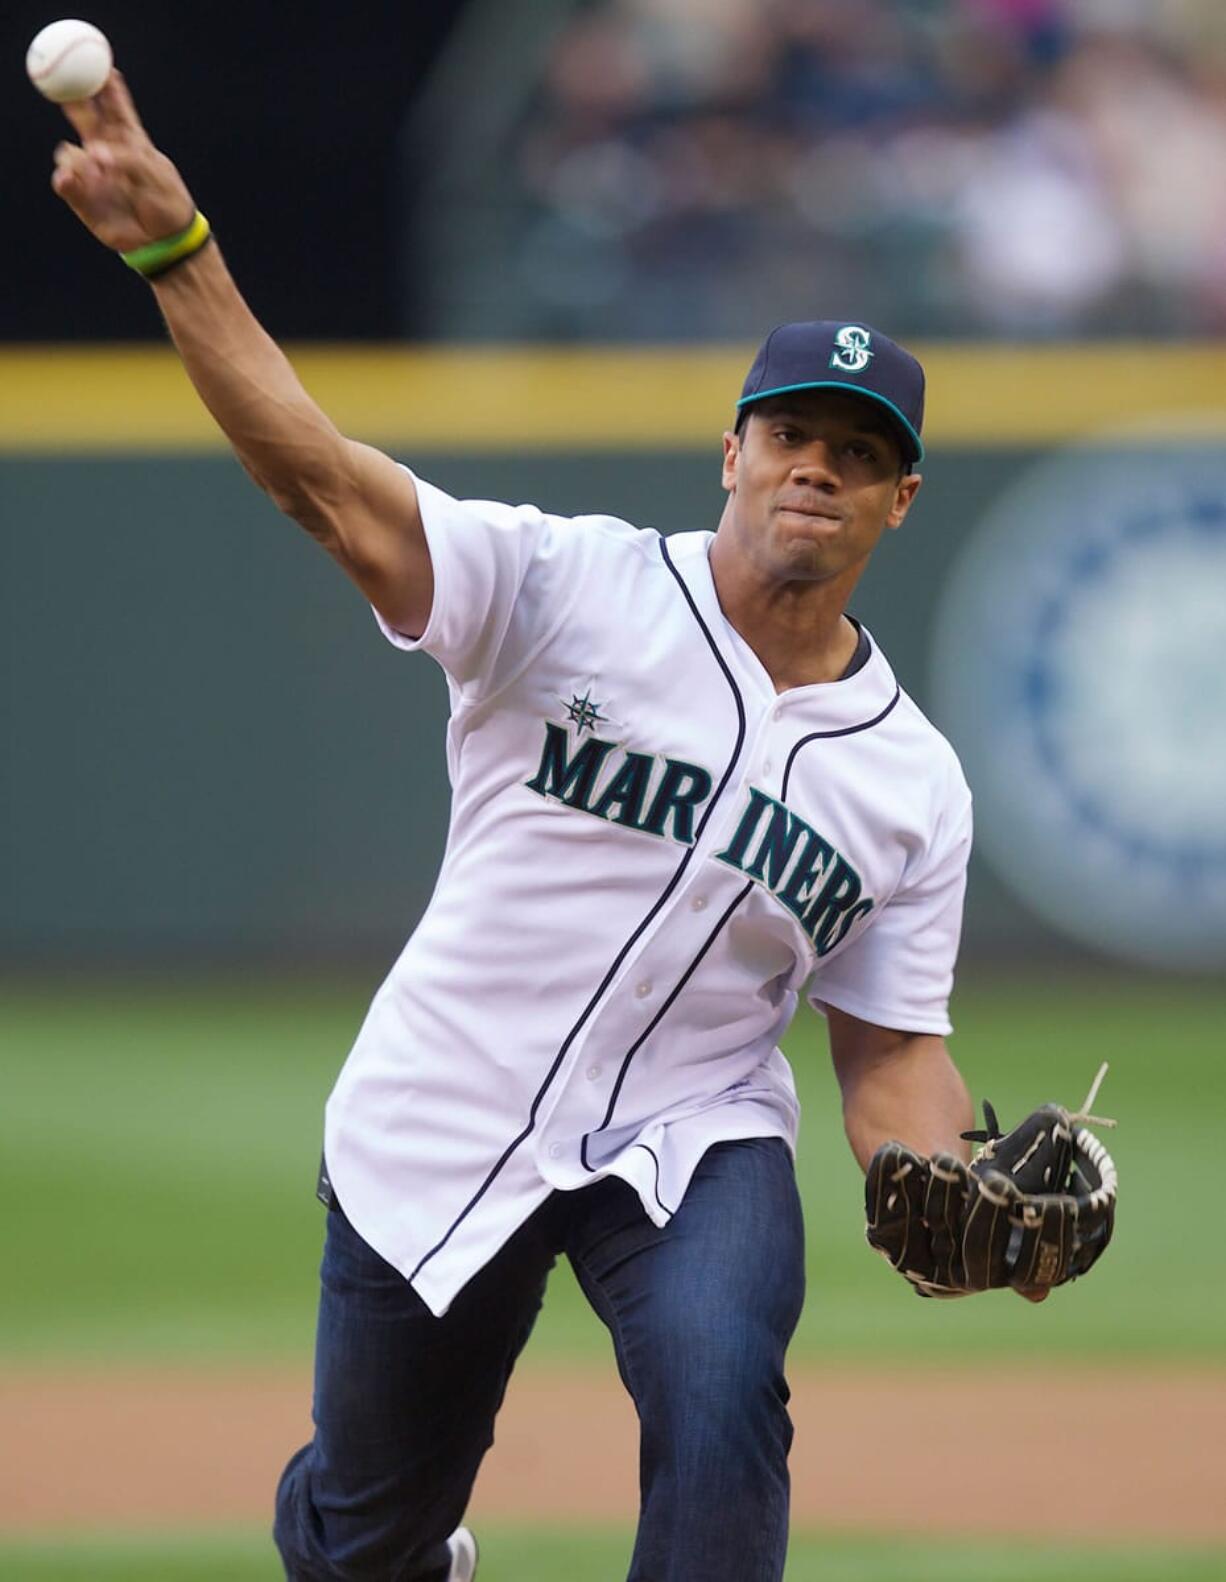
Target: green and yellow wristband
{"points": [[156, 258]]}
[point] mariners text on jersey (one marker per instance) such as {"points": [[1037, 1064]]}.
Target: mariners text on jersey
{"points": [[771, 844], [651, 856]]}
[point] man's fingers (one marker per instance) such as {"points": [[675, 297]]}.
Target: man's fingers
{"points": [[86, 179], [95, 162], [114, 99], [109, 114], [71, 163], [84, 118]]}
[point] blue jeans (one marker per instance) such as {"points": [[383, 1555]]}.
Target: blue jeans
{"points": [[700, 1313]]}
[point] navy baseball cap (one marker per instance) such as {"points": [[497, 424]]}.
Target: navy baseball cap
{"points": [[832, 355]]}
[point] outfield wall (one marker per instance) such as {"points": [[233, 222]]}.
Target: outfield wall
{"points": [[210, 753]]}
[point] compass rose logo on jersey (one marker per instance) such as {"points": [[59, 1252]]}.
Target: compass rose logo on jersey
{"points": [[582, 712], [853, 349], [1079, 674]]}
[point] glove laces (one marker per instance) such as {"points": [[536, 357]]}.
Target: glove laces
{"points": [[1083, 1115], [992, 1133]]}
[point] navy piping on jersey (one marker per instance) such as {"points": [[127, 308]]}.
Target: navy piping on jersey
{"points": [[626, 948], [814, 736], [822, 736], [655, 1191], [657, 1018]]}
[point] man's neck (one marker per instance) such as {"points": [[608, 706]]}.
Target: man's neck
{"points": [[798, 630]]}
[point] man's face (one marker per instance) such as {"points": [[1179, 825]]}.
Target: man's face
{"points": [[814, 479]]}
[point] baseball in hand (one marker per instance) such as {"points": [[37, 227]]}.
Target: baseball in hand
{"points": [[68, 61]]}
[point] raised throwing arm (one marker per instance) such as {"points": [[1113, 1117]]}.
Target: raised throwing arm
{"points": [[354, 500]]}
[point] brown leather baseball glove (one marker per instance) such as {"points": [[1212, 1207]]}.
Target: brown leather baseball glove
{"points": [[1035, 1207]]}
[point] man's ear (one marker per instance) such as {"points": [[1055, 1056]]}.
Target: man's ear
{"points": [[732, 456], [908, 488]]}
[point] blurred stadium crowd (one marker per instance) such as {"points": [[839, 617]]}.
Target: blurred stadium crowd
{"points": [[692, 169]]}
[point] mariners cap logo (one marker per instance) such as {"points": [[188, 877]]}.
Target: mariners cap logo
{"points": [[853, 349]]}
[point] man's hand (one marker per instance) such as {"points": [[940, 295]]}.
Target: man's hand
{"points": [[115, 181]]}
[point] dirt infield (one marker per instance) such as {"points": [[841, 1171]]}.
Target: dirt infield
{"points": [[147, 1448]]}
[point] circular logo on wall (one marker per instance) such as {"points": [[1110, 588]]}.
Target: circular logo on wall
{"points": [[1080, 670]]}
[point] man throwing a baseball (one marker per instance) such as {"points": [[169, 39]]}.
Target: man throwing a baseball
{"points": [[686, 789]]}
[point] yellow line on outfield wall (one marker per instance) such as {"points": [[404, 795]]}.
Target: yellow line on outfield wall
{"points": [[136, 398]]}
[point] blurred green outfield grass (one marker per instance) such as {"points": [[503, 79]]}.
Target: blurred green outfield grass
{"points": [[158, 1147], [520, 1554]]}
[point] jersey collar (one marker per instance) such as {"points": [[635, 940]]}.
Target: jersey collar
{"points": [[850, 703]]}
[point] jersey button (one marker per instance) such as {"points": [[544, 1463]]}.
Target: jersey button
{"points": [[766, 766], [698, 904], [778, 714], [642, 990], [555, 1150], [593, 1073]]}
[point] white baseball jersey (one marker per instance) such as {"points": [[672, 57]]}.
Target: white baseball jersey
{"points": [[651, 855]]}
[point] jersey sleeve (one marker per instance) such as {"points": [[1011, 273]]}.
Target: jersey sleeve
{"points": [[503, 576], [899, 972]]}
